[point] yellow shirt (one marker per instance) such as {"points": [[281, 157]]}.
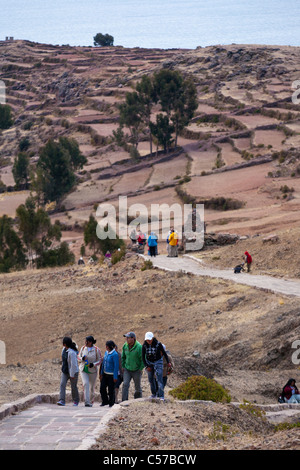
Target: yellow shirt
{"points": [[173, 239]]}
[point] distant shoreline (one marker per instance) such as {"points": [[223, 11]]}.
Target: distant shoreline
{"points": [[14, 40]]}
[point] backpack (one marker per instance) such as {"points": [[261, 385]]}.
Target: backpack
{"points": [[238, 268]]}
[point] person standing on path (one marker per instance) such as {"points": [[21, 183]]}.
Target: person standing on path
{"points": [[69, 371], [132, 364], [248, 260], [168, 367], [153, 352], [89, 359], [173, 244], [109, 374], [152, 244]]}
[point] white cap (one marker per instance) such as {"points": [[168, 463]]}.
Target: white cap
{"points": [[149, 336]]}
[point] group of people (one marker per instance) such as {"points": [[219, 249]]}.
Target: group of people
{"points": [[247, 261], [114, 368], [140, 239]]}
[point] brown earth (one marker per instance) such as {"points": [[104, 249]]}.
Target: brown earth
{"points": [[240, 336], [245, 115]]}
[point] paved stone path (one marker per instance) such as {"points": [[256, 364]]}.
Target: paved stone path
{"points": [[46, 426], [188, 264], [50, 427]]}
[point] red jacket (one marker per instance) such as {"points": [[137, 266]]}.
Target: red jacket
{"points": [[288, 392], [249, 257]]}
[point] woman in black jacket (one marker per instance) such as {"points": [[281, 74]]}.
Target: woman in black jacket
{"points": [[152, 353]]}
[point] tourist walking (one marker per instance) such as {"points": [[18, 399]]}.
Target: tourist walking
{"points": [[168, 367], [133, 236], [248, 260], [173, 244], [69, 371], [152, 244], [120, 376], [132, 364], [168, 244], [89, 359], [109, 374], [152, 353]]}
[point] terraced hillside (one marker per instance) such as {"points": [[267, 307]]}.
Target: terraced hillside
{"points": [[242, 144]]}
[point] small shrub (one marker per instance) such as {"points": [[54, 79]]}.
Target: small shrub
{"points": [[220, 432], [147, 265], [285, 189], [27, 125], [24, 144], [199, 387], [118, 255], [60, 256], [286, 426], [252, 409]]}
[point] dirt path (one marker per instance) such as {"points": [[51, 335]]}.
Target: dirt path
{"points": [[189, 264]]}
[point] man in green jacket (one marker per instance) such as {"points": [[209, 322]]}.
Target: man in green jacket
{"points": [[132, 364]]}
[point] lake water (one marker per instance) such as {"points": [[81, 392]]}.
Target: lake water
{"points": [[153, 23]]}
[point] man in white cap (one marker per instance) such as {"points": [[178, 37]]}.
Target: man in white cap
{"points": [[152, 353], [132, 365]]}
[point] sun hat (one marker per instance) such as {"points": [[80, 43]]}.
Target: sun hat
{"points": [[149, 336]]}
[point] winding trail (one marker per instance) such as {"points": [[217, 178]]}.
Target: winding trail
{"points": [[38, 424], [189, 264]]}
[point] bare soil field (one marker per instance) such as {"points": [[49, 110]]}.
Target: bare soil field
{"points": [[238, 335]]}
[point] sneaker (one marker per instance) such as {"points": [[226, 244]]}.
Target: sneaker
{"points": [[61, 403], [153, 396], [75, 404], [88, 405]]}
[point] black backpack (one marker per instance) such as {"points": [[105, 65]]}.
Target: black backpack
{"points": [[281, 399], [238, 269]]}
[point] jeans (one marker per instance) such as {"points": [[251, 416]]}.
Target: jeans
{"points": [[74, 390], [294, 399], [89, 384], [156, 372], [136, 375], [107, 382], [152, 250]]}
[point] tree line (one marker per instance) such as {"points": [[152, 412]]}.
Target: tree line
{"points": [[32, 237], [176, 98]]}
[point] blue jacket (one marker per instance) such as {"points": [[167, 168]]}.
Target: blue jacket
{"points": [[152, 240], [110, 364]]}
